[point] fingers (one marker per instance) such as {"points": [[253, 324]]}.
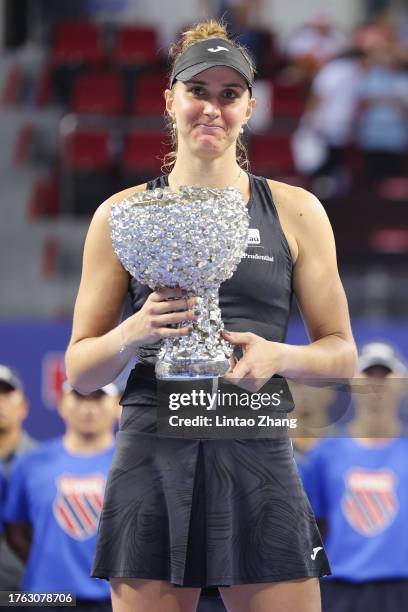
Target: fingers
{"points": [[173, 318], [167, 293], [241, 377], [237, 337], [165, 309], [232, 363], [184, 304], [240, 370], [172, 299]]}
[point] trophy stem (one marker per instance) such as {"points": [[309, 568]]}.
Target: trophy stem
{"points": [[202, 354]]}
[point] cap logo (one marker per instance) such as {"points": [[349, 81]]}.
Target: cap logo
{"points": [[216, 49]]}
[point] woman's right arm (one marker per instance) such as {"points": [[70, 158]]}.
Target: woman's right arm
{"points": [[96, 353]]}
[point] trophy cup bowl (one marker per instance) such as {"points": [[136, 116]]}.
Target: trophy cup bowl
{"points": [[193, 239]]}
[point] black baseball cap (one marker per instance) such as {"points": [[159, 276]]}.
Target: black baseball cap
{"points": [[10, 378], [207, 54]]}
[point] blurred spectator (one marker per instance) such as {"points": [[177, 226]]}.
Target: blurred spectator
{"points": [[243, 21], [314, 44], [379, 31], [14, 441], [1, 500], [262, 113], [403, 31], [54, 498], [328, 121], [382, 132], [312, 413], [2, 494], [358, 488]]}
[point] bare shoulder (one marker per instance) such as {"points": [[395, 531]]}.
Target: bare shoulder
{"points": [[98, 240], [302, 216], [97, 310], [295, 202], [98, 244]]}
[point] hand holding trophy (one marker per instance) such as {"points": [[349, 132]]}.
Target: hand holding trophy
{"points": [[193, 239]]}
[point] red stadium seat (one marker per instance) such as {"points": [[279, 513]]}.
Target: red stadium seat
{"points": [[136, 45], [12, 84], [88, 150], [148, 95], [44, 86], [271, 154], [88, 171], [98, 93], [143, 152], [288, 100], [78, 42]]}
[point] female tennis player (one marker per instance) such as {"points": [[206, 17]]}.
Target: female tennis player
{"points": [[184, 514]]}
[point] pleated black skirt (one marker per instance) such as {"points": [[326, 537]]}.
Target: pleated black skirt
{"points": [[201, 513]]}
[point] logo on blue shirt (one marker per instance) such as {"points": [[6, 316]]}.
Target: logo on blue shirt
{"points": [[78, 504], [370, 503]]}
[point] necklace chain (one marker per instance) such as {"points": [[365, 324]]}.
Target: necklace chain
{"points": [[237, 179]]}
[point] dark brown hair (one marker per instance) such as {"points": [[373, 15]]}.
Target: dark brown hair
{"points": [[200, 31]]}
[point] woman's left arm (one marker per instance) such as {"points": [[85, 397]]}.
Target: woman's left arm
{"points": [[321, 298]]}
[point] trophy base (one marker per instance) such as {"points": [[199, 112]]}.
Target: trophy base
{"points": [[187, 369]]}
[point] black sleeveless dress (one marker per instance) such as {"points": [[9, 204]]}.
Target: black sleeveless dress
{"points": [[209, 512]]}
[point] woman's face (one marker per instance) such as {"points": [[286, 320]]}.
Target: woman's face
{"points": [[209, 110]]}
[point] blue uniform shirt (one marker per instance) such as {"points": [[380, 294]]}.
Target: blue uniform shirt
{"points": [[362, 492], [60, 494], [383, 125], [1, 499]]}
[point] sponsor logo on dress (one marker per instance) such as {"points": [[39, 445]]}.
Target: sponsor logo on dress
{"points": [[260, 257], [254, 240], [216, 49], [253, 236], [370, 503], [315, 551], [78, 504]]}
